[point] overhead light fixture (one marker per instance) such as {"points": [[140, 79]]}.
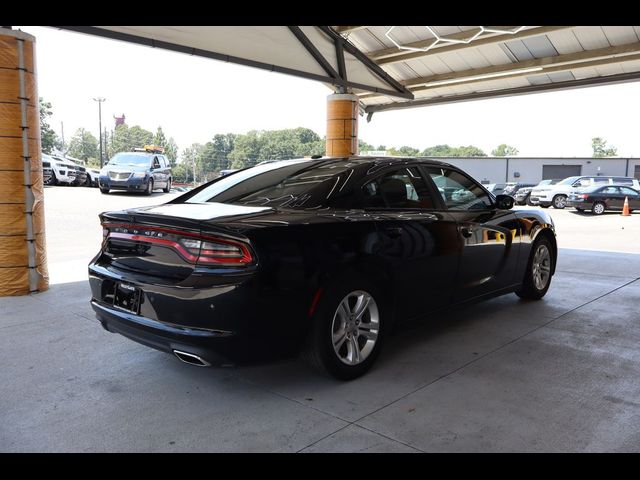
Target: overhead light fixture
{"points": [[484, 76], [439, 39]]}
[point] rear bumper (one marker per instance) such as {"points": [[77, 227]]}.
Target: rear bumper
{"points": [[215, 346], [233, 321], [582, 205]]}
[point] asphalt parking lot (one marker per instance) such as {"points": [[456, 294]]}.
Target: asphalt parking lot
{"points": [[505, 375]]}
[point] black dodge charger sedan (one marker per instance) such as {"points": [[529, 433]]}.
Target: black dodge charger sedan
{"points": [[322, 256]]}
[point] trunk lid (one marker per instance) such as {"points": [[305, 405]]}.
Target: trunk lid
{"points": [[147, 240]]}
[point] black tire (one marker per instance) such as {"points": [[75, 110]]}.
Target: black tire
{"points": [[167, 189], [104, 190], [87, 182], [529, 290], [598, 208], [319, 350], [544, 206], [528, 200], [54, 179], [149, 189], [559, 201]]}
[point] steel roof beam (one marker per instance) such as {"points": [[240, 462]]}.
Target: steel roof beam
{"points": [[558, 63], [582, 83]]}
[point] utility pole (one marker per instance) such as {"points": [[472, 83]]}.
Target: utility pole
{"points": [[194, 172], [62, 130], [100, 100]]}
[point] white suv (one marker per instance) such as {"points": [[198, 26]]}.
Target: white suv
{"points": [[62, 172], [557, 194]]}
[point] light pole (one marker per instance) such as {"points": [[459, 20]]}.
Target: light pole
{"points": [[100, 100]]}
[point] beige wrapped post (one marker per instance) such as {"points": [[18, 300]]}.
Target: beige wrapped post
{"points": [[23, 261], [342, 125]]}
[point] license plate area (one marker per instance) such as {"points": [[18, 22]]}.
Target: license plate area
{"points": [[127, 297]]}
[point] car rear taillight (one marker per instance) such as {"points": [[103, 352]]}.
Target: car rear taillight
{"points": [[215, 250], [583, 196], [195, 248]]}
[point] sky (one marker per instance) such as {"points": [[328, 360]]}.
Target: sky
{"points": [[195, 98]]}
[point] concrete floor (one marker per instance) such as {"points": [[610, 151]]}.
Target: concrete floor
{"points": [[556, 375]]}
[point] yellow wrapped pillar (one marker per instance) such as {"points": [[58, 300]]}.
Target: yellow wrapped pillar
{"points": [[342, 125], [23, 260]]}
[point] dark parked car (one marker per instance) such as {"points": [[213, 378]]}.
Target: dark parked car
{"points": [[323, 256], [138, 171], [600, 199]]}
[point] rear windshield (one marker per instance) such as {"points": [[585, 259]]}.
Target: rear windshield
{"points": [[568, 181], [290, 183], [130, 159]]}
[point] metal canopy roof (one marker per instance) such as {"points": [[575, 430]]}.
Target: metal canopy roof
{"points": [[449, 64], [406, 66]]}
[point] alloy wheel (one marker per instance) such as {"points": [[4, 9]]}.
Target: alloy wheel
{"points": [[541, 268], [598, 209], [355, 327]]}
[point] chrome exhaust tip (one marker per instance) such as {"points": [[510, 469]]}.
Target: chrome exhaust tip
{"points": [[191, 359]]}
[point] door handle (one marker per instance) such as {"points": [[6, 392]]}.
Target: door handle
{"points": [[466, 232], [393, 232]]}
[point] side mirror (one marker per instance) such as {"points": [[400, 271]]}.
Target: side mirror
{"points": [[504, 202]]}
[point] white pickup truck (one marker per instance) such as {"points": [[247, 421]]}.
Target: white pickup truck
{"points": [[557, 194]]}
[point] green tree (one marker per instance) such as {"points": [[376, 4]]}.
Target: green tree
{"points": [[469, 151], [448, 151], [600, 149], [214, 155], [504, 150], [364, 146], [182, 173], [159, 139], [125, 138], [439, 151], [408, 151], [190, 157], [171, 151], [83, 145], [48, 137]]}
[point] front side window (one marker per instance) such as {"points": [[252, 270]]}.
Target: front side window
{"points": [[458, 191], [610, 190], [404, 188]]}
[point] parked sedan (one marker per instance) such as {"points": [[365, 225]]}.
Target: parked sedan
{"points": [[322, 256], [603, 198]]}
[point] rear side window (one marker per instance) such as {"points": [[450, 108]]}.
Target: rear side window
{"points": [[403, 188], [623, 180], [598, 180], [628, 191], [458, 191], [583, 182], [610, 190]]}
